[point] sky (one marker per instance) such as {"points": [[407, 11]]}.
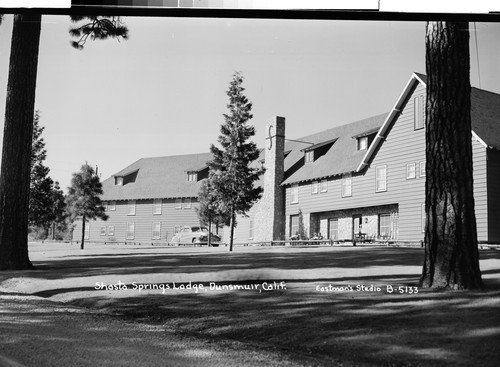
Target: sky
{"points": [[163, 91]]}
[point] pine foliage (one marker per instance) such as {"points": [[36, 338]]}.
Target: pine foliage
{"points": [[232, 175], [209, 210], [83, 200], [97, 28]]}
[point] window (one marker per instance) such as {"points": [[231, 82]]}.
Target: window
{"points": [[309, 156], [294, 225], [105, 205], [418, 112], [112, 206], [411, 171], [156, 235], [346, 186], [131, 207], [130, 231], [187, 203], [87, 231], [119, 181], [384, 226], [380, 178], [294, 194], [192, 176], [314, 187], [250, 231], [111, 230], [157, 206], [103, 231], [178, 203], [324, 186], [363, 143], [333, 229], [423, 217], [422, 169]]}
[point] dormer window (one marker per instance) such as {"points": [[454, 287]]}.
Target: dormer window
{"points": [[316, 151], [309, 156], [192, 176], [119, 181], [363, 143]]}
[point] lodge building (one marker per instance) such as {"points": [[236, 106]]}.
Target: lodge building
{"points": [[364, 177]]}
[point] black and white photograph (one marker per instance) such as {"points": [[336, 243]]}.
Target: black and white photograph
{"points": [[206, 185]]}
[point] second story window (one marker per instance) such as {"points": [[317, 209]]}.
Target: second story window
{"points": [[131, 207], [192, 176], [324, 186], [157, 206], [187, 203], [178, 203], [346, 186], [119, 181], [381, 178], [294, 194], [422, 169], [411, 171], [314, 187]]}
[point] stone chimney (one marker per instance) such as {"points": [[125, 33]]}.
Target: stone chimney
{"points": [[270, 216]]}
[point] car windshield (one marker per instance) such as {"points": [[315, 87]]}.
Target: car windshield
{"points": [[199, 229]]}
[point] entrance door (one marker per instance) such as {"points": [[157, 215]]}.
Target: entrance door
{"points": [[357, 224]]}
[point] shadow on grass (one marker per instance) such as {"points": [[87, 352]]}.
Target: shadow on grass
{"points": [[373, 328], [343, 327], [190, 262]]}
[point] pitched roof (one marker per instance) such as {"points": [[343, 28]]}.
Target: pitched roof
{"points": [[342, 157], [485, 117], [159, 177]]}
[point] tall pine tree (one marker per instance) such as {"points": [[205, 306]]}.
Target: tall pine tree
{"points": [[83, 200], [41, 185], [231, 175]]}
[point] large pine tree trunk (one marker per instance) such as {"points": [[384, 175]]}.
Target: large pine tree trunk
{"points": [[451, 249], [16, 152]]}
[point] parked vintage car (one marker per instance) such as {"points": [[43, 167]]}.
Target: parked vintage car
{"points": [[197, 235]]}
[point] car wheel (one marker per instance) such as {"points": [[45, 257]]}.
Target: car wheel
{"points": [[196, 241]]}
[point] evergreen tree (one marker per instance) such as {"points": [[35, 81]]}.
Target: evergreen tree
{"points": [[18, 129], [41, 185], [231, 176], [83, 200], [451, 248]]}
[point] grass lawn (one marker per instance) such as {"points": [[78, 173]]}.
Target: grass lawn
{"points": [[318, 306]]}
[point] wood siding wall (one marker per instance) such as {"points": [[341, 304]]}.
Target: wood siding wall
{"points": [[143, 220], [403, 145]]}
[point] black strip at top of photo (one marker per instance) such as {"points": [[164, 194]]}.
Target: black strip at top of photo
{"points": [[117, 7]]}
